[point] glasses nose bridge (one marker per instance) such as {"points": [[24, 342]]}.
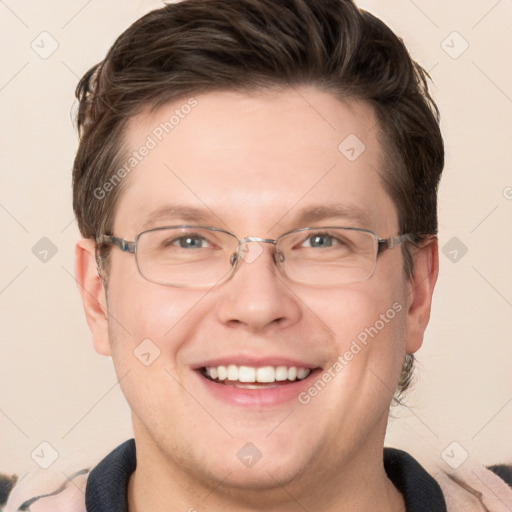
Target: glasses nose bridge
{"points": [[238, 255], [247, 239]]}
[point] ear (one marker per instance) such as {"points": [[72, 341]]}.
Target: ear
{"points": [[421, 287], [93, 294]]}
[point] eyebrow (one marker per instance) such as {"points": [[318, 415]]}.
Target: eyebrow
{"points": [[179, 214], [183, 214], [324, 213]]}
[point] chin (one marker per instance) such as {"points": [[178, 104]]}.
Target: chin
{"points": [[259, 470], [266, 477]]}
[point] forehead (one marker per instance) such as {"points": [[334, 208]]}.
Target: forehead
{"points": [[257, 161]]}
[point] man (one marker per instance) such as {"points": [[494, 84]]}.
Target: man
{"points": [[256, 187]]}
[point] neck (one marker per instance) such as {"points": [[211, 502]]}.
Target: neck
{"points": [[360, 484]]}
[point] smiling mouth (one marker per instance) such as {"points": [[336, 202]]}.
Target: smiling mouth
{"points": [[248, 377]]}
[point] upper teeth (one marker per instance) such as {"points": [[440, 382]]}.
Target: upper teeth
{"points": [[261, 374]]}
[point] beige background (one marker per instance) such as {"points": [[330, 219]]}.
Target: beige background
{"points": [[56, 389]]}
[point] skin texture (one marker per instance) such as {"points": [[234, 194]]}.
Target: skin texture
{"points": [[253, 163]]}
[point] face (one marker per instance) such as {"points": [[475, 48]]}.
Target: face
{"points": [[258, 165]]}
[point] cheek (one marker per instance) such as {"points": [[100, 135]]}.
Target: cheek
{"points": [[378, 344], [362, 311], [148, 327], [144, 315], [367, 323]]}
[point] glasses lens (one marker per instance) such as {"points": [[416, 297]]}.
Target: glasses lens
{"points": [[328, 256], [185, 256]]}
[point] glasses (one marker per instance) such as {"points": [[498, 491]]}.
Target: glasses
{"points": [[199, 256]]}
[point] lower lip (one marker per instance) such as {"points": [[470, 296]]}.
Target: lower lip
{"points": [[264, 397]]}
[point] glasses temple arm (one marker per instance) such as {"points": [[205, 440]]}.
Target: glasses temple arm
{"points": [[394, 241], [122, 243]]}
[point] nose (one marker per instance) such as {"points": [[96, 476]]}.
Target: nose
{"points": [[258, 297]]}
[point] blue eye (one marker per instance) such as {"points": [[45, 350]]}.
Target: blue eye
{"points": [[187, 242], [321, 240]]}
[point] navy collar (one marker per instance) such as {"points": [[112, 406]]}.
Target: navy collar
{"points": [[420, 491], [108, 482]]}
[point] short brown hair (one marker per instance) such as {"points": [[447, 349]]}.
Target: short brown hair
{"points": [[196, 46]]}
